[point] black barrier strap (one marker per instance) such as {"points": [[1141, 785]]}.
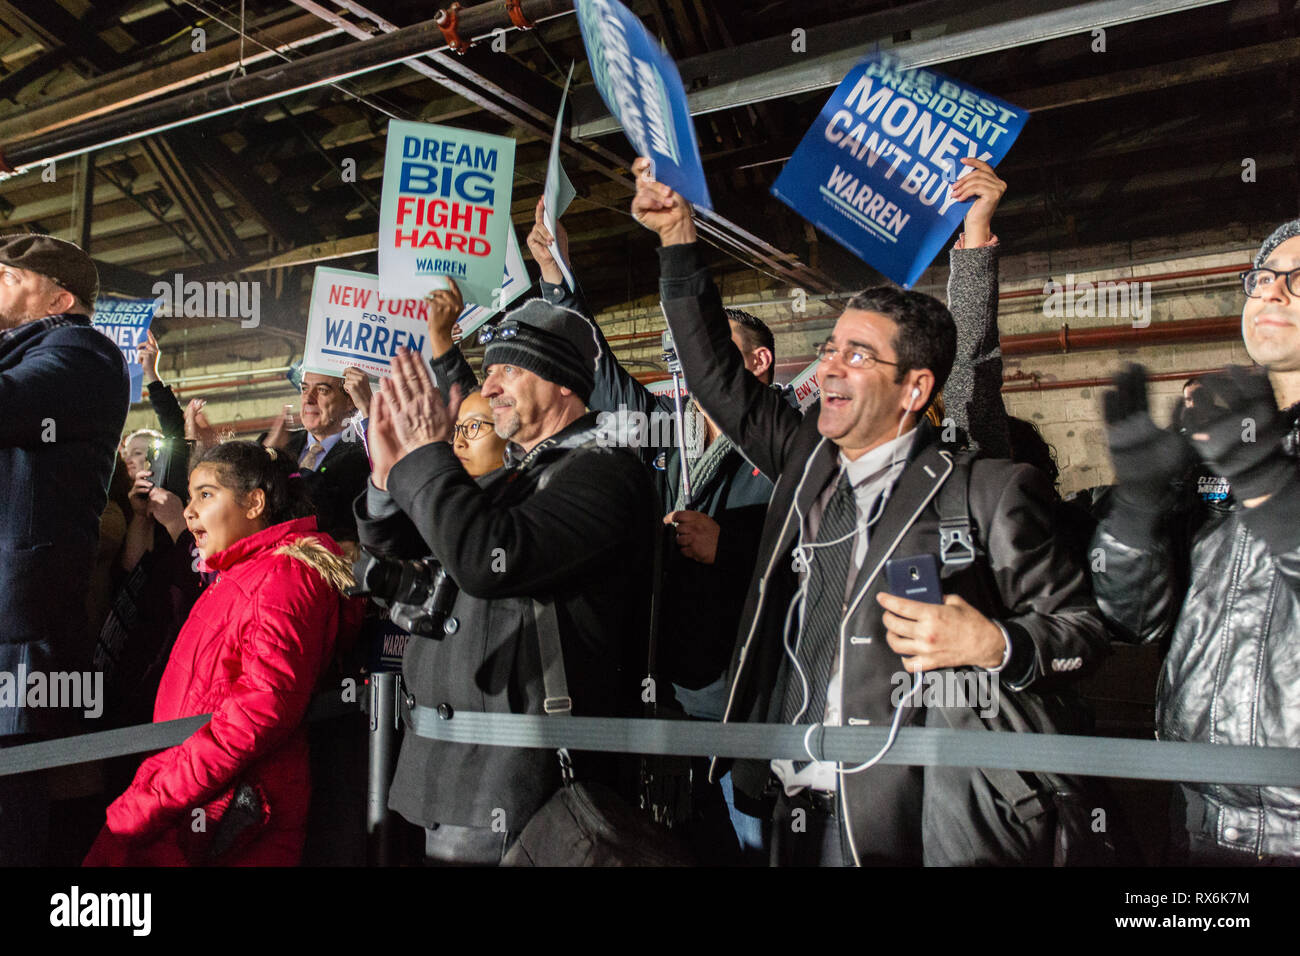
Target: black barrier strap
{"points": [[916, 746]]}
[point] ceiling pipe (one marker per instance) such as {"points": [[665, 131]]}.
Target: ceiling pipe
{"points": [[1157, 277], [1066, 340], [273, 83], [184, 386], [1038, 385]]}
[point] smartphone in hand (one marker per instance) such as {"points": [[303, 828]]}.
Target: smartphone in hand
{"points": [[915, 578]]}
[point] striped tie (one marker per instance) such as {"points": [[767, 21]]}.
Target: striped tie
{"points": [[828, 575]]}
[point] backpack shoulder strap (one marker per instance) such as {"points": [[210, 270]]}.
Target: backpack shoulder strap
{"points": [[958, 547], [957, 536]]}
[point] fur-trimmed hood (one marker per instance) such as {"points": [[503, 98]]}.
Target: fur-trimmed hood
{"points": [[309, 549]]}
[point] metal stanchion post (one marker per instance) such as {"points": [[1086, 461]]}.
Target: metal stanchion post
{"points": [[675, 367], [384, 718]]}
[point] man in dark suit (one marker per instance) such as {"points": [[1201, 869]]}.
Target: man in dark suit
{"points": [[63, 396], [859, 480], [330, 453]]}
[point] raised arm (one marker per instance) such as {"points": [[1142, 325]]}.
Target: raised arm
{"points": [[615, 387], [756, 418], [973, 393], [1132, 570], [448, 363], [171, 420], [1254, 459]]}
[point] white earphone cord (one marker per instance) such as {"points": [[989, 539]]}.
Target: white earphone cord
{"points": [[803, 555]]}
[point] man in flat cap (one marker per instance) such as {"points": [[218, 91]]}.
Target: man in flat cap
{"points": [[555, 547], [1217, 563], [63, 402]]}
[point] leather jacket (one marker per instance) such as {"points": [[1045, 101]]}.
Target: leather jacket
{"points": [[1232, 613]]}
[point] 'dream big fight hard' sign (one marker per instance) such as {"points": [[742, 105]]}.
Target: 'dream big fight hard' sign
{"points": [[445, 210]]}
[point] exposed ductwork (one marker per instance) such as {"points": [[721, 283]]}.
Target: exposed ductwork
{"points": [[239, 93]]}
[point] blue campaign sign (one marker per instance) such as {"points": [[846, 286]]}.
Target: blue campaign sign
{"points": [[126, 322], [876, 170], [641, 86]]}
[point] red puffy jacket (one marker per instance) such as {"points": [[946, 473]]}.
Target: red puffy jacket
{"points": [[251, 652]]}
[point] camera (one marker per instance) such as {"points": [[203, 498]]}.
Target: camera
{"points": [[418, 593]]}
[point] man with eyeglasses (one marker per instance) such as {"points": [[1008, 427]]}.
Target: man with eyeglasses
{"points": [[1215, 562], [860, 480]]}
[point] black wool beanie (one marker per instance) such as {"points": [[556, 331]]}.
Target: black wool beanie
{"points": [[552, 342]]}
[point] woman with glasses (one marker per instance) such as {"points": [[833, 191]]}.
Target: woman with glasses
{"points": [[475, 440]]}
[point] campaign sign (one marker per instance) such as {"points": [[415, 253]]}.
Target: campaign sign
{"points": [[349, 324], [558, 191], [513, 284], [126, 322], [805, 386], [876, 170], [665, 387], [642, 88], [386, 643], [445, 210]]}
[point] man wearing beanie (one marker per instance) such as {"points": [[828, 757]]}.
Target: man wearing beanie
{"points": [[63, 402], [556, 546], [1218, 565]]}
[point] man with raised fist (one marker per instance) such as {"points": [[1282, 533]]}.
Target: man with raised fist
{"points": [[1214, 558]]}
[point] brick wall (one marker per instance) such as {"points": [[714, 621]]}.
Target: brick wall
{"points": [[1069, 418]]}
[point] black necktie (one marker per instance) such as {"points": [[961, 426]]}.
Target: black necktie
{"points": [[828, 575]]}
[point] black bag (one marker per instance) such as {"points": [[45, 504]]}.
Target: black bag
{"points": [[1067, 805], [584, 823], [588, 824]]}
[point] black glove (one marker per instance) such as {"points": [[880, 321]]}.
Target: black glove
{"points": [[1235, 426], [1147, 459]]}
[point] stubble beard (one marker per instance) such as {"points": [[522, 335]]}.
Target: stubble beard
{"points": [[509, 428]]}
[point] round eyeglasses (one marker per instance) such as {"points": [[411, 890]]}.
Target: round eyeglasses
{"points": [[471, 429], [1254, 280]]}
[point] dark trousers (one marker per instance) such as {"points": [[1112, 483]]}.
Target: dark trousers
{"points": [[24, 814], [806, 831], [446, 845]]}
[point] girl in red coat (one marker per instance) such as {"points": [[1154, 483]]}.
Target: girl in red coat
{"points": [[251, 652]]}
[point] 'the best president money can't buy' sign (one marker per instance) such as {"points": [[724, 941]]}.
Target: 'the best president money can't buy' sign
{"points": [[876, 170], [445, 210]]}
